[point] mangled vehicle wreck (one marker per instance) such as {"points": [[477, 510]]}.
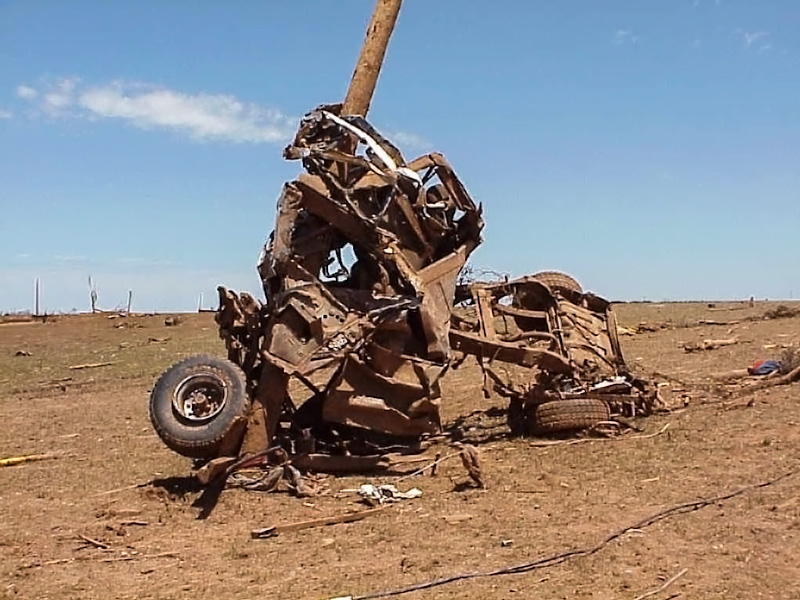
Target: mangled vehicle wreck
{"points": [[369, 339], [364, 315], [573, 375]]}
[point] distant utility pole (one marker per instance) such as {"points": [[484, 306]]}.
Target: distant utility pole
{"points": [[130, 297], [92, 294], [370, 60], [36, 297], [200, 303]]}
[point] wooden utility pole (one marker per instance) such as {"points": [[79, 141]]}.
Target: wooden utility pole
{"points": [[368, 66], [263, 420]]}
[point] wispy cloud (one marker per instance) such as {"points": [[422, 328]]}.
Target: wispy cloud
{"points": [[71, 258], [756, 41], [201, 116], [624, 36], [6, 114], [751, 38], [26, 92], [407, 141], [134, 261], [76, 260]]}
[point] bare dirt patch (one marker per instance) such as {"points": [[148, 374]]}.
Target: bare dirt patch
{"points": [[540, 500]]}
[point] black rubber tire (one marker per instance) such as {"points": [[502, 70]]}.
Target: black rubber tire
{"points": [[573, 414], [198, 439], [559, 282]]}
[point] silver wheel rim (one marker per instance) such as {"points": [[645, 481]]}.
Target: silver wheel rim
{"points": [[200, 398]]}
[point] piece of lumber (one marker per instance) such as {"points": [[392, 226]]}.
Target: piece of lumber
{"points": [[709, 345], [18, 460], [124, 488], [94, 542], [734, 374], [90, 365], [664, 586], [266, 532], [139, 556], [213, 468]]}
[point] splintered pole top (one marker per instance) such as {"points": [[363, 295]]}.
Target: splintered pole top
{"points": [[368, 66]]}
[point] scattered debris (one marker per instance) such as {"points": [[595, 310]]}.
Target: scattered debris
{"points": [[572, 552], [124, 489], [124, 558], [764, 367], [652, 327], [267, 532], [708, 345], [733, 374], [471, 462], [94, 542], [547, 443], [22, 318], [768, 381], [382, 494], [782, 312], [132, 556], [713, 322], [663, 586], [458, 517], [269, 480], [23, 353], [17, 460], [790, 359], [438, 459], [173, 321], [90, 365]]}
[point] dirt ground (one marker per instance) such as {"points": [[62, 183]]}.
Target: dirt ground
{"points": [[541, 499]]}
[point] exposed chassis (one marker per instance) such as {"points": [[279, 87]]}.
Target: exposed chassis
{"points": [[566, 342]]}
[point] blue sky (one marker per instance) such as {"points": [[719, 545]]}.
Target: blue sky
{"points": [[650, 148]]}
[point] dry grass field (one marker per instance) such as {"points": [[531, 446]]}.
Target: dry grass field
{"points": [[540, 500]]}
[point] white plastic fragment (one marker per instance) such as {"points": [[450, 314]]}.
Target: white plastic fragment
{"points": [[382, 494]]}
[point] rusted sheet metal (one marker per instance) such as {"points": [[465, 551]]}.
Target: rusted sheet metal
{"points": [[494, 349], [360, 278], [360, 275]]}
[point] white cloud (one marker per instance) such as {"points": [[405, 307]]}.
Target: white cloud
{"points": [[26, 92], [60, 97], [200, 116], [624, 36], [6, 114], [407, 141]]}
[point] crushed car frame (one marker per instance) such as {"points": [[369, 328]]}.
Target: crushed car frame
{"points": [[343, 361], [359, 275]]}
